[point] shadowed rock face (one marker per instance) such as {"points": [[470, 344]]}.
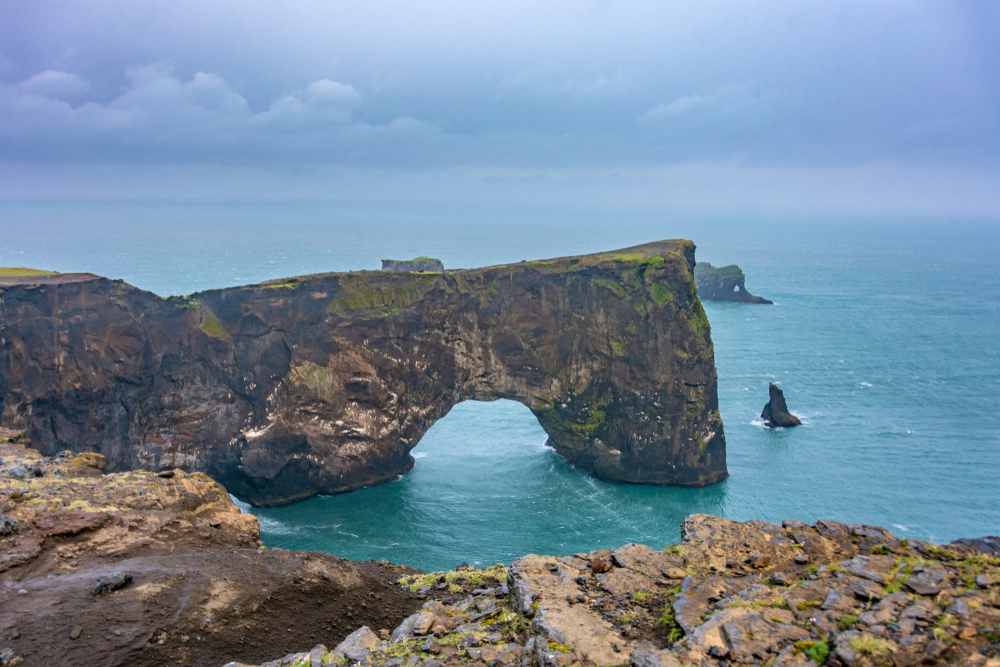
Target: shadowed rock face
{"points": [[324, 383], [725, 283]]}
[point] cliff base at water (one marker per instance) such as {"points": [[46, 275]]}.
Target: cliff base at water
{"points": [[726, 283]]}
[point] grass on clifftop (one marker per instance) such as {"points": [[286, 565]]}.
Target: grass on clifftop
{"points": [[415, 581], [22, 272], [379, 293]]}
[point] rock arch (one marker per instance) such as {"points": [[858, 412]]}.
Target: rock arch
{"points": [[323, 384]]}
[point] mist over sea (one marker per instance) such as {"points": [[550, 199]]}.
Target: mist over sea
{"points": [[883, 336]]}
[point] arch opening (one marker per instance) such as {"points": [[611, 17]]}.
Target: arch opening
{"points": [[484, 430]]}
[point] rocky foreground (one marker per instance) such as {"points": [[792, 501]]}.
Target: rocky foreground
{"points": [[155, 569], [161, 569], [731, 593]]}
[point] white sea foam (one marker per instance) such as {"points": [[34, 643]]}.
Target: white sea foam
{"points": [[418, 455], [244, 507]]}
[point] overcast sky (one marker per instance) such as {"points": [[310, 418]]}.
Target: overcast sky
{"points": [[803, 100]]}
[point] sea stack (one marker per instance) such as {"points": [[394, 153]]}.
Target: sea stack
{"points": [[776, 412], [415, 264]]}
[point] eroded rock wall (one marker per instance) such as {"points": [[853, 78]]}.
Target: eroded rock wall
{"points": [[324, 383]]}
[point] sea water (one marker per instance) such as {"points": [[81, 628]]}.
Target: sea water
{"points": [[883, 336]]}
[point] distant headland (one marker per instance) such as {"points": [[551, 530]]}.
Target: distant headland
{"points": [[723, 284]]}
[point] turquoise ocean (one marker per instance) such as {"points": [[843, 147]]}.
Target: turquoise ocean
{"points": [[884, 337]]}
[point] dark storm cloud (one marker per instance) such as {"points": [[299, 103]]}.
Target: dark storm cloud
{"points": [[520, 85]]}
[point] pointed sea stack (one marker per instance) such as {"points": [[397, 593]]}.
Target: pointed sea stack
{"points": [[776, 412]]}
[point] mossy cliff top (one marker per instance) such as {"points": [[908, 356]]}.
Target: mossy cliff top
{"points": [[19, 275], [324, 383]]}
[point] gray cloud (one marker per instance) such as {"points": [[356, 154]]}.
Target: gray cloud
{"points": [[53, 83], [526, 86], [192, 118]]}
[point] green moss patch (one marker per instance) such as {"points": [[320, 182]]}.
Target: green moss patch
{"points": [[23, 272], [282, 284], [662, 295], [380, 294], [211, 325], [415, 581], [612, 285]]}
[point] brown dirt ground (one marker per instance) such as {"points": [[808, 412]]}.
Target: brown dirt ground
{"points": [[202, 593], [261, 604]]}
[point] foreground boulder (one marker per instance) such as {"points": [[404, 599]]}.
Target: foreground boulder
{"points": [[776, 412], [324, 383], [754, 593]]}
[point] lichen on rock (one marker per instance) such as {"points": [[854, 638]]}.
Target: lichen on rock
{"points": [[713, 600]]}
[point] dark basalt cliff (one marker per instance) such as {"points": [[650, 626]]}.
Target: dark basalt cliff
{"points": [[725, 283], [324, 383]]}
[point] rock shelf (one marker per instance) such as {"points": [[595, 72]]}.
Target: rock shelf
{"points": [[730, 593]]}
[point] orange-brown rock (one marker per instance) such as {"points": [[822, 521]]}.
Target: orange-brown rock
{"points": [[134, 569]]}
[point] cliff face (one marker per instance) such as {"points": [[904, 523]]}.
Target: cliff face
{"points": [[726, 283], [324, 383]]}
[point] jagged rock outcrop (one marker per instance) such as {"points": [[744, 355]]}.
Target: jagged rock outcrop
{"points": [[416, 264], [776, 413], [754, 593], [725, 283], [324, 383]]}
